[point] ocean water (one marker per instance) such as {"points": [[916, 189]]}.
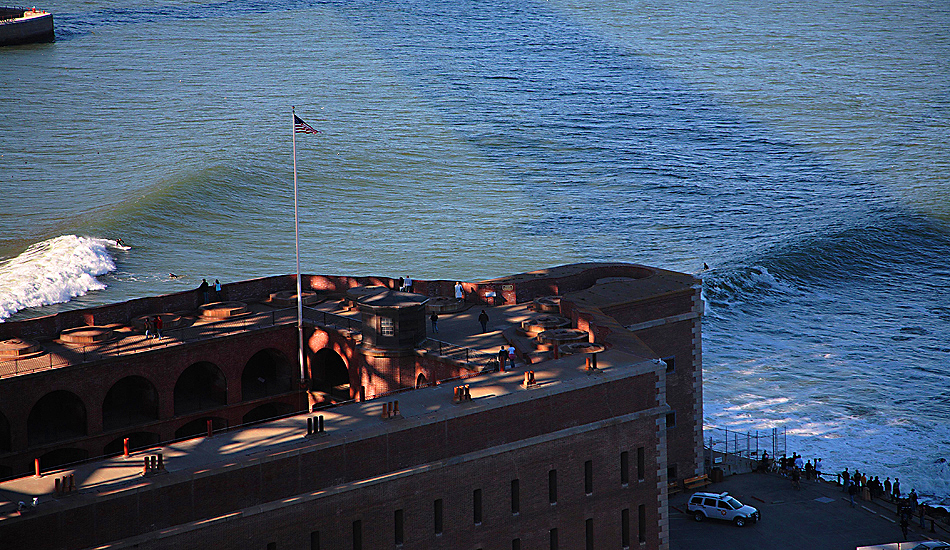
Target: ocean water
{"points": [[798, 149]]}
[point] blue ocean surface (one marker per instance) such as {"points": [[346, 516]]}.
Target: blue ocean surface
{"points": [[798, 149]]}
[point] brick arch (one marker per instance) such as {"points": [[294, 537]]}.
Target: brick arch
{"points": [[268, 372], [56, 416], [199, 387], [131, 400], [330, 372], [6, 437]]}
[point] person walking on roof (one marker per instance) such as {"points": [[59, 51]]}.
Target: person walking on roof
{"points": [[459, 292], [502, 358], [483, 319], [434, 319]]}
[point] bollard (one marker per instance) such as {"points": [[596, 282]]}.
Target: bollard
{"points": [[161, 461], [145, 466], [382, 414], [309, 425], [36, 467], [209, 428], [396, 408], [468, 393], [154, 462], [125, 447], [362, 393], [455, 396], [72, 482], [593, 361], [320, 423], [527, 379], [56, 485]]}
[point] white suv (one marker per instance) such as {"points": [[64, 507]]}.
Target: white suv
{"points": [[721, 506]]}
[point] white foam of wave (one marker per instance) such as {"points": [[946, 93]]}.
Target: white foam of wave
{"points": [[52, 272]]}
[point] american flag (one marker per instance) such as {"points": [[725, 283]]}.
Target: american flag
{"points": [[301, 127]]}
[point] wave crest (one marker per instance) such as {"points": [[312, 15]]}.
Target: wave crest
{"points": [[52, 272]]}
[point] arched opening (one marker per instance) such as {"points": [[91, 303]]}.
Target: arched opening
{"points": [[132, 400], [266, 412], [6, 438], [62, 457], [330, 374], [199, 427], [202, 386], [58, 415], [137, 440], [268, 372], [421, 381]]}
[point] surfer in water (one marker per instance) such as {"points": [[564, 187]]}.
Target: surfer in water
{"points": [[173, 276]]}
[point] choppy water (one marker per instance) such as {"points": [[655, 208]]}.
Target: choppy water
{"points": [[800, 149]]}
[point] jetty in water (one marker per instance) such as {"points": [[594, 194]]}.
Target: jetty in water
{"points": [[25, 26]]}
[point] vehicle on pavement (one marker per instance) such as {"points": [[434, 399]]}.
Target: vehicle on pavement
{"points": [[932, 545], [721, 506]]}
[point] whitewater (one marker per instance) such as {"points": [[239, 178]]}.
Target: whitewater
{"points": [[800, 150]]}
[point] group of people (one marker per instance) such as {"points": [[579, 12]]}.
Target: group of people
{"points": [[858, 483], [205, 290], [404, 284], [153, 327], [793, 467], [506, 354]]}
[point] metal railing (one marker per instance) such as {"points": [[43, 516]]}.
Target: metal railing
{"points": [[734, 447], [332, 320], [479, 360]]}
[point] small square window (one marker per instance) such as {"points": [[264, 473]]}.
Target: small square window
{"points": [[386, 327], [671, 420]]}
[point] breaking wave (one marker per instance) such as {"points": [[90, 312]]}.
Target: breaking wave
{"points": [[53, 271]]}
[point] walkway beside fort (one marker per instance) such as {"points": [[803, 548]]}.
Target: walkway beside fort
{"points": [[817, 517]]}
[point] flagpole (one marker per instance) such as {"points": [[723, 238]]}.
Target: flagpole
{"points": [[303, 377]]}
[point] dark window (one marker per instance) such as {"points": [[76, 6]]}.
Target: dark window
{"points": [[625, 528], [400, 532], [671, 472], [438, 517], [670, 419], [589, 528], [477, 505], [641, 463], [589, 477], [516, 544], [515, 496], [670, 363], [642, 523], [552, 486], [315, 540], [358, 535], [271, 546], [553, 539], [624, 468]]}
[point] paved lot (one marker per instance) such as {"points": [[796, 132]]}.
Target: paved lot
{"points": [[818, 517]]}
